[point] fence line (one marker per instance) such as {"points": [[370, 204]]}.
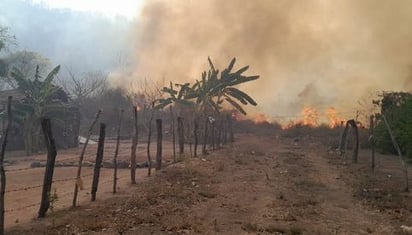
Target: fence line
{"points": [[23, 208], [63, 192], [38, 186], [22, 169]]}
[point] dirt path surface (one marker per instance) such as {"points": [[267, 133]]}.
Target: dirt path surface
{"points": [[258, 185]]}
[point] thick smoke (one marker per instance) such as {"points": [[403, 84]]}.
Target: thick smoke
{"points": [[308, 52]]}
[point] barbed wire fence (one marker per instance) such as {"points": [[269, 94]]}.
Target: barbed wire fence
{"points": [[56, 184], [67, 194]]}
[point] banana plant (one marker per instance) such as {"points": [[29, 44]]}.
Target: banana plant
{"points": [[39, 101], [181, 96], [215, 88], [212, 90]]}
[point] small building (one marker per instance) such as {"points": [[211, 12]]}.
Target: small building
{"points": [[65, 127]]}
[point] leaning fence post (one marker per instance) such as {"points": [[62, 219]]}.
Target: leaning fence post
{"points": [[78, 183], [398, 149], [2, 171], [159, 144], [51, 159], [98, 163], [116, 152]]}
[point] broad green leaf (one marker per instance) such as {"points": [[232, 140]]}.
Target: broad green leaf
{"points": [[242, 94], [235, 105], [232, 63], [240, 71], [52, 75]]}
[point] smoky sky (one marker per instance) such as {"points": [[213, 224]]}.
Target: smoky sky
{"points": [[307, 52], [79, 40]]}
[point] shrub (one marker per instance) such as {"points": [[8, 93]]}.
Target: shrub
{"points": [[397, 108]]}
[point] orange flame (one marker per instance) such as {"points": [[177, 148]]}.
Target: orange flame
{"points": [[310, 116], [260, 118], [334, 120]]}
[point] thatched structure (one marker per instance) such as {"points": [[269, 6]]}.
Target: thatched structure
{"points": [[65, 130]]}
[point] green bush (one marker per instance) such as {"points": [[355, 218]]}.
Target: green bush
{"points": [[397, 108]]}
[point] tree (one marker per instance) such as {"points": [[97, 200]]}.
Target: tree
{"points": [[40, 101], [111, 100], [85, 86], [397, 108], [27, 62], [6, 38], [208, 95], [214, 88]]}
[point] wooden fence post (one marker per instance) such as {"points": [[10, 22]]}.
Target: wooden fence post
{"points": [[3, 123], [149, 141], [98, 163], [134, 147], [173, 133], [2, 171], [342, 147], [116, 152], [78, 182], [230, 126], [213, 135], [206, 134], [159, 144], [372, 141], [196, 136], [220, 132], [51, 159], [356, 147], [398, 149], [189, 136], [224, 125], [181, 135]]}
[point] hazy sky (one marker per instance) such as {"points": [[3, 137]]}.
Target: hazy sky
{"points": [[126, 8], [85, 37]]}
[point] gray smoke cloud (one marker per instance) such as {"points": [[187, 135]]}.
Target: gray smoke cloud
{"points": [[308, 52], [82, 41]]}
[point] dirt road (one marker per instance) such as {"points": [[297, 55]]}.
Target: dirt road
{"points": [[258, 185]]}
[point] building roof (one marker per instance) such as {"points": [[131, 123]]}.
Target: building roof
{"points": [[4, 95]]}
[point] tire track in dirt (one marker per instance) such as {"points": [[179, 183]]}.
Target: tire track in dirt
{"points": [[321, 202]]}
